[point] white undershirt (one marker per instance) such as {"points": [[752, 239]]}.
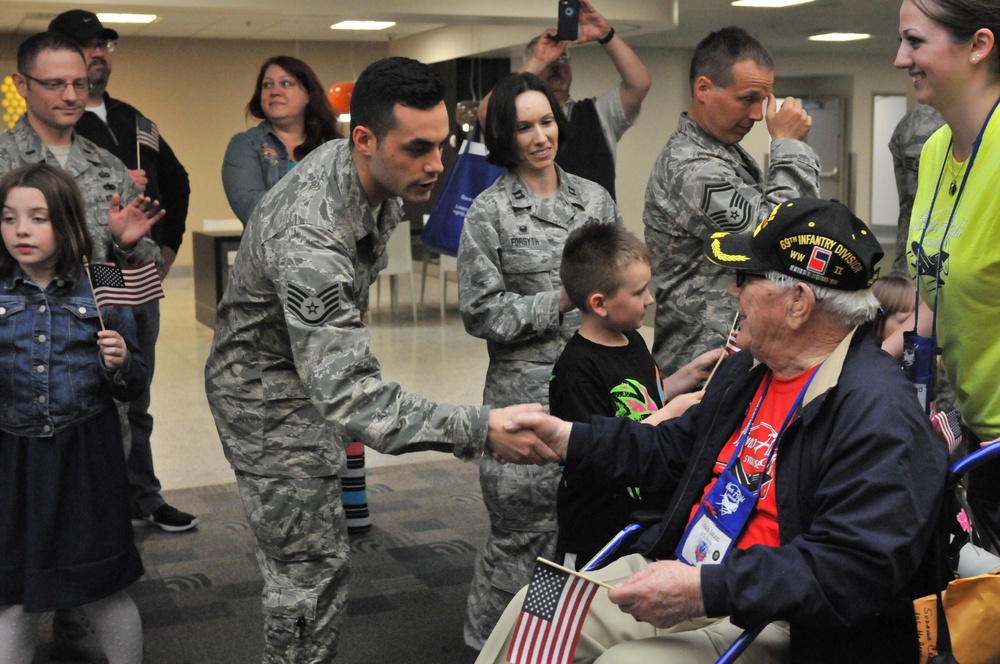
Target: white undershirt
{"points": [[61, 153], [101, 111]]}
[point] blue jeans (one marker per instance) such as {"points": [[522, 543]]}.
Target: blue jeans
{"points": [[143, 484]]}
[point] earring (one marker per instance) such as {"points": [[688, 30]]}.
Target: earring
{"points": [[975, 58]]}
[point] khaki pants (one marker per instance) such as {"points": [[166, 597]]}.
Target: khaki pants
{"points": [[610, 636]]}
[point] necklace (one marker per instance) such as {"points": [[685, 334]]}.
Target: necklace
{"points": [[956, 170]]}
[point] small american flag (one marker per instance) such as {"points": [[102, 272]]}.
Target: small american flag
{"points": [[949, 425], [731, 347], [548, 628], [147, 133], [127, 286]]}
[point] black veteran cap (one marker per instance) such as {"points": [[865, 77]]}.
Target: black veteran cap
{"points": [[80, 25], [806, 238]]}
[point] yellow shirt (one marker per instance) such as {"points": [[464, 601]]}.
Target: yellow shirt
{"points": [[968, 316]]}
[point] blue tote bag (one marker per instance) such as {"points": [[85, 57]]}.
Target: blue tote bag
{"points": [[469, 176]]}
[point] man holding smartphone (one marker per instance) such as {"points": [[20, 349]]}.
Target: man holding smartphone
{"points": [[598, 123]]}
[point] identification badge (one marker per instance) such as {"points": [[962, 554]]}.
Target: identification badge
{"points": [[718, 522], [920, 363]]}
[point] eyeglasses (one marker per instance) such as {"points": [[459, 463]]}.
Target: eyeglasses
{"points": [[108, 45], [742, 276], [80, 85], [565, 57]]}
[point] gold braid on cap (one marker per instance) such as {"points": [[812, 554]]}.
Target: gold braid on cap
{"points": [[717, 251]]}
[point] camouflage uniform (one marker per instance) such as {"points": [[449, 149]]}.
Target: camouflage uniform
{"points": [[291, 381], [907, 141], [508, 291], [97, 172], [699, 186]]}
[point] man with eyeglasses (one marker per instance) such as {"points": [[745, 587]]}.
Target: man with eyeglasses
{"points": [[704, 182], [597, 123], [52, 78], [126, 133]]}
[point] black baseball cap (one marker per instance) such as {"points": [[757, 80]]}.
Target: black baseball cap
{"points": [[811, 239], [81, 26]]}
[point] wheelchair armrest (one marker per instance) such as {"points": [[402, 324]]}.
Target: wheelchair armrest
{"points": [[977, 458]]}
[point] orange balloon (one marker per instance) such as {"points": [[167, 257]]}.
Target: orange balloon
{"points": [[340, 97]]}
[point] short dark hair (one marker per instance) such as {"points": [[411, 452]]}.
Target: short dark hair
{"points": [[500, 132], [594, 259], [390, 81], [66, 214], [717, 53], [321, 122], [962, 18], [30, 48]]}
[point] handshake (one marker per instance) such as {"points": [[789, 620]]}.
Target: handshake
{"points": [[525, 434]]}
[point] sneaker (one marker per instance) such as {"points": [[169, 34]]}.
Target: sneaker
{"points": [[165, 517]]}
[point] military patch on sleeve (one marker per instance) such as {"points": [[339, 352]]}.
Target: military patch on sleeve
{"points": [[314, 309], [727, 207]]}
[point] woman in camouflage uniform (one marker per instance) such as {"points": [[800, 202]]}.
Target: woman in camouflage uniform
{"points": [[510, 295]]}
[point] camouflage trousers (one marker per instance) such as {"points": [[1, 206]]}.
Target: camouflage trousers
{"points": [[521, 501], [300, 531]]}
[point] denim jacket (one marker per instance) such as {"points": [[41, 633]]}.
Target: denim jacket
{"points": [[255, 160], [52, 376]]}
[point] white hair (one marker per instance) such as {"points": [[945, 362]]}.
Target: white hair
{"points": [[850, 308]]}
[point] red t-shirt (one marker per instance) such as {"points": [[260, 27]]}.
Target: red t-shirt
{"points": [[778, 401]]}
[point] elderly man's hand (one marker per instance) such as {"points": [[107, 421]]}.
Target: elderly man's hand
{"points": [[551, 430], [510, 442], [664, 594]]}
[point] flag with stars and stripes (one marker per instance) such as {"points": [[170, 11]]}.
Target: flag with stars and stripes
{"points": [[126, 286], [549, 626], [949, 424], [731, 347], [147, 133]]}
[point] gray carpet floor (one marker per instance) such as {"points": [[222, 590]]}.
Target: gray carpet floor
{"points": [[200, 597]]}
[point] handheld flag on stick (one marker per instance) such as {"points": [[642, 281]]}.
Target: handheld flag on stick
{"points": [[949, 425], [731, 348], [548, 628], [146, 134], [126, 286], [86, 266]]}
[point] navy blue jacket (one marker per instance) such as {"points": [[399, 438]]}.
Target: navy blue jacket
{"points": [[859, 480]]}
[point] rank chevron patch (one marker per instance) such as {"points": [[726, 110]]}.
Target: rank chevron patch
{"points": [[314, 309]]}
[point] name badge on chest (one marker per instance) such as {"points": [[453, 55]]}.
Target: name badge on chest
{"points": [[717, 523]]}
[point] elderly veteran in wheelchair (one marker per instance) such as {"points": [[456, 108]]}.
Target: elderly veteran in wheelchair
{"points": [[806, 483]]}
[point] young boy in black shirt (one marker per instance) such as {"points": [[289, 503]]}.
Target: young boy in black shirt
{"points": [[606, 369]]}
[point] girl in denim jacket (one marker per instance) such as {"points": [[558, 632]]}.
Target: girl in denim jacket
{"points": [[65, 535]]}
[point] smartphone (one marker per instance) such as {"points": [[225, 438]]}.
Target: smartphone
{"points": [[569, 20]]}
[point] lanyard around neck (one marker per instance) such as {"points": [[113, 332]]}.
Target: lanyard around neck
{"points": [[788, 419], [951, 217]]}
